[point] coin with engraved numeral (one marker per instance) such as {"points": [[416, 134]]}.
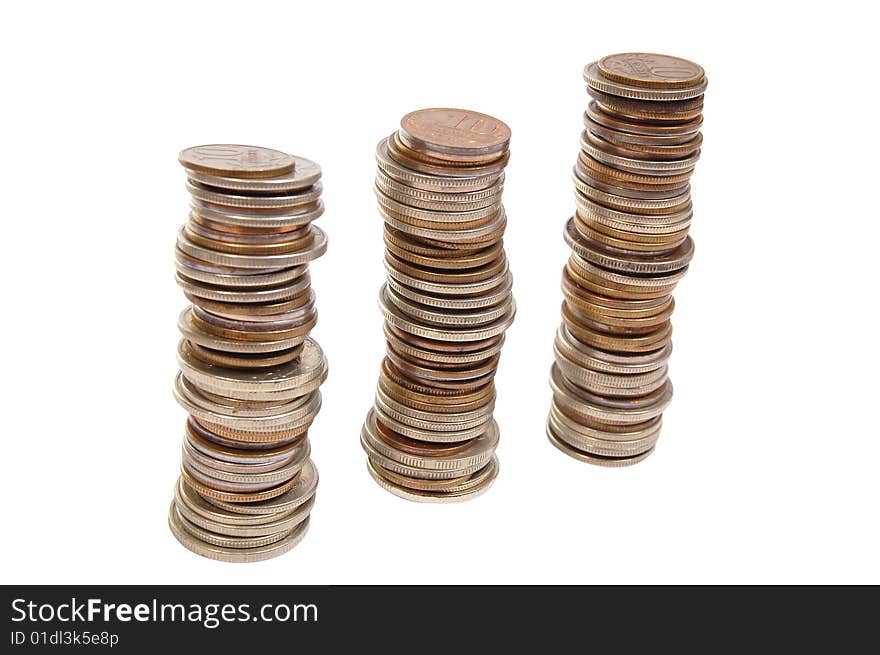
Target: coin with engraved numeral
{"points": [[454, 134], [650, 70], [234, 160]]}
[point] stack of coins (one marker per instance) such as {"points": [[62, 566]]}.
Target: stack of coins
{"points": [[249, 374], [630, 247], [447, 303]]}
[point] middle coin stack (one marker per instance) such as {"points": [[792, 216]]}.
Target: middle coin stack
{"points": [[447, 303]]}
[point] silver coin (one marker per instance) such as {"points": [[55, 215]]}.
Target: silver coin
{"points": [[598, 460], [461, 236], [615, 415], [464, 290], [398, 319], [277, 219], [301, 376], [304, 174], [414, 471], [422, 496], [447, 317], [297, 495], [317, 248], [451, 182], [305, 197], [284, 524], [480, 448], [637, 263], [197, 335]]}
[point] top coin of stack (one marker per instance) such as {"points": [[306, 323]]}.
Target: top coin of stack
{"points": [[446, 303], [249, 373], [630, 247]]}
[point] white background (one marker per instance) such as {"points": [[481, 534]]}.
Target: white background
{"points": [[767, 467]]}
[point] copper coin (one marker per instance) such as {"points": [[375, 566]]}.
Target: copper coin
{"points": [[621, 241], [237, 497], [455, 132], [621, 148], [600, 284], [415, 447], [265, 439], [616, 188], [666, 240], [675, 111], [465, 259], [459, 381], [415, 245], [424, 402], [233, 160], [282, 248], [451, 396], [440, 159], [646, 180], [650, 70], [265, 238], [620, 326], [491, 170], [588, 302], [245, 445], [439, 371], [253, 309], [245, 360], [248, 460], [616, 135], [617, 343], [642, 128], [286, 321], [255, 336], [444, 276]]}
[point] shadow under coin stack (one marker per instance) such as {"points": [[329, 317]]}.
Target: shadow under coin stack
{"points": [[630, 247], [249, 373], [447, 303]]}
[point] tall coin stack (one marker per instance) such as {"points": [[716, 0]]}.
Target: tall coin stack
{"points": [[630, 247], [447, 303], [249, 374]]}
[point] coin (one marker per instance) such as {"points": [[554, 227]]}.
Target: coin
{"points": [[249, 373], [305, 173], [224, 554], [630, 248], [456, 491], [641, 72], [236, 160], [455, 133], [651, 70]]}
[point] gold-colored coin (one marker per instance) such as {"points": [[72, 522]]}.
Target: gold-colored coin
{"points": [[238, 161], [650, 70]]}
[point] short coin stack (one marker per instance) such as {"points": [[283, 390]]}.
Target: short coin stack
{"points": [[630, 247], [249, 373], [447, 303]]}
